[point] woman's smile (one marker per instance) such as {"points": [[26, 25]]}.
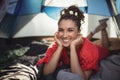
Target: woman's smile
{"points": [[66, 40]]}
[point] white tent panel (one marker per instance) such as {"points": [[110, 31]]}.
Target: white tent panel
{"points": [[84, 26], [65, 3], [40, 25], [112, 28]]}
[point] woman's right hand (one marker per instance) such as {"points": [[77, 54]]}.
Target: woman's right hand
{"points": [[57, 39]]}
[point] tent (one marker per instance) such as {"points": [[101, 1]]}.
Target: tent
{"points": [[31, 18], [22, 22]]}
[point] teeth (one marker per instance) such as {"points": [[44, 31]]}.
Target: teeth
{"points": [[65, 40]]}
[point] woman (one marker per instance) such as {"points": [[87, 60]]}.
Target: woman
{"points": [[71, 49]]}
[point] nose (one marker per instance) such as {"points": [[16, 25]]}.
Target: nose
{"points": [[65, 34]]}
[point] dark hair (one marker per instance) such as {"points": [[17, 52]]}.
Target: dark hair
{"points": [[73, 13]]}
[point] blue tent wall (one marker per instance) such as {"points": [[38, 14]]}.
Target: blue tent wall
{"points": [[98, 7], [28, 7], [18, 8], [118, 5], [7, 24]]}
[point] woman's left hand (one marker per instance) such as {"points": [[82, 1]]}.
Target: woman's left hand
{"points": [[77, 41]]}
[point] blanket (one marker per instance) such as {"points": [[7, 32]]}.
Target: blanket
{"points": [[109, 69]]}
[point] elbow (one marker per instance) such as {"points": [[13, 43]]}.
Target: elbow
{"points": [[47, 71]]}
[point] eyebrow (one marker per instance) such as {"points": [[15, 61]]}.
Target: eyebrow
{"points": [[71, 28], [68, 28]]}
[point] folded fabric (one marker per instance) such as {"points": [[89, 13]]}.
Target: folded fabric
{"points": [[10, 55]]}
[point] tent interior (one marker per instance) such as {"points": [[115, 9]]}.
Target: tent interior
{"points": [[32, 24], [20, 19]]}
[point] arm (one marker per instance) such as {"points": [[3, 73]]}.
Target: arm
{"points": [[75, 66], [52, 64]]}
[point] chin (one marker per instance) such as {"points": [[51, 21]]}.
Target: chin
{"points": [[66, 45]]}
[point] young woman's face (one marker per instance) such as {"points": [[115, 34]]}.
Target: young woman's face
{"points": [[67, 32]]}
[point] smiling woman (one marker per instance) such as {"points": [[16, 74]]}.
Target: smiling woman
{"points": [[71, 53]]}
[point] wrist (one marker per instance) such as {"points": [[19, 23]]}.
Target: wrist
{"points": [[60, 47], [72, 46]]}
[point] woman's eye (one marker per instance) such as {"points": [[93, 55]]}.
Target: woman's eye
{"points": [[70, 30], [60, 30]]}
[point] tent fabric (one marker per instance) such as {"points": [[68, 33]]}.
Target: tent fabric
{"points": [[10, 19], [118, 5], [36, 25], [65, 3], [21, 17], [28, 7], [53, 11], [16, 9], [53, 7], [12, 6], [98, 7], [3, 8], [23, 7]]}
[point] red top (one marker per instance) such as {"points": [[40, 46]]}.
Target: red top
{"points": [[89, 55]]}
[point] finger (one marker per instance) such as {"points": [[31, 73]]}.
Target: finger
{"points": [[55, 35]]}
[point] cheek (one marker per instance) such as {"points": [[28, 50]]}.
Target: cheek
{"points": [[74, 35], [60, 34]]}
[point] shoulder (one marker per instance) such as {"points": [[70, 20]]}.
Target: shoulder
{"points": [[53, 45], [89, 55], [89, 50], [52, 48], [87, 43]]}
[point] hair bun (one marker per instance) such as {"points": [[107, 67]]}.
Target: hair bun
{"points": [[74, 13]]}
